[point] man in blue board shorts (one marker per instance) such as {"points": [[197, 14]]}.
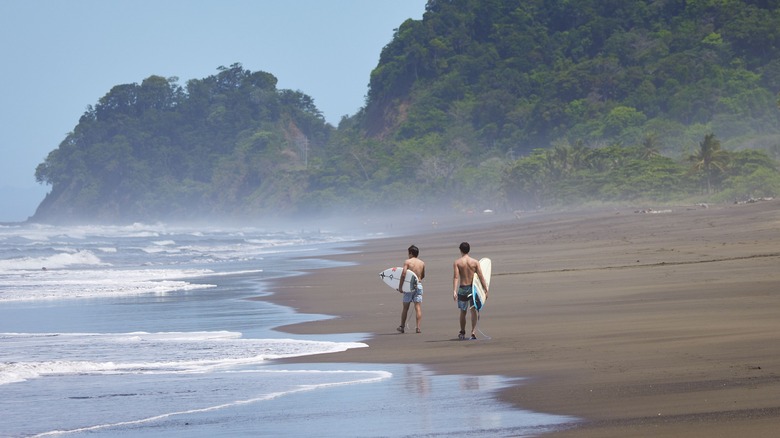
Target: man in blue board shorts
{"points": [[414, 264], [464, 269]]}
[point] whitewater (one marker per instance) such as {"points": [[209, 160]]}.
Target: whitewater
{"points": [[151, 330]]}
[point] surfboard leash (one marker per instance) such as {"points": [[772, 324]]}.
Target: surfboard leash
{"points": [[479, 315], [479, 329]]}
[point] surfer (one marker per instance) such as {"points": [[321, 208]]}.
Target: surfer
{"points": [[464, 269], [416, 265]]}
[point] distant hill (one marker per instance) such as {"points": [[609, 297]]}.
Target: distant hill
{"points": [[229, 145], [520, 75], [481, 104]]}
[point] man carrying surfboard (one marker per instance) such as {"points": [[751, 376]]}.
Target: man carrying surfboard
{"points": [[463, 279], [416, 265]]}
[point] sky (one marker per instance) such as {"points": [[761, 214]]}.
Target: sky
{"points": [[62, 56]]}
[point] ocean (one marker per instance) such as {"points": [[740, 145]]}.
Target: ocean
{"points": [[149, 330]]}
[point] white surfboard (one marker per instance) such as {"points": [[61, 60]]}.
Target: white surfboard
{"points": [[478, 297], [392, 276]]}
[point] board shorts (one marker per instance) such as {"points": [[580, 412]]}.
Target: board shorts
{"points": [[415, 296], [464, 297]]}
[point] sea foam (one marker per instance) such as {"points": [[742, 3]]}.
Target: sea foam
{"points": [[153, 353]]}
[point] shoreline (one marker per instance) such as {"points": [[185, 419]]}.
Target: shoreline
{"points": [[639, 324]]}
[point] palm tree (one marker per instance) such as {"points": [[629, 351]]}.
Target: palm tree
{"points": [[650, 146], [558, 160], [580, 154], [709, 159]]}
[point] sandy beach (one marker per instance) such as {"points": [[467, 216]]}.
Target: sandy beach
{"points": [[640, 322]]}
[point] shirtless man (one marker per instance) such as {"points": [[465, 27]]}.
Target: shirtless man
{"points": [[464, 269], [417, 266]]}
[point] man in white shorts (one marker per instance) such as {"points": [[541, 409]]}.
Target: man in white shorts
{"points": [[414, 264]]}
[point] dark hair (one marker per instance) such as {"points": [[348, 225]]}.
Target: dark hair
{"points": [[465, 247], [414, 251]]}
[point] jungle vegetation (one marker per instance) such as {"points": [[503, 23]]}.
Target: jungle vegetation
{"points": [[499, 104]]}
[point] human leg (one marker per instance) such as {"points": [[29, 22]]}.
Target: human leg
{"points": [[418, 312], [462, 333], [404, 311], [474, 319]]}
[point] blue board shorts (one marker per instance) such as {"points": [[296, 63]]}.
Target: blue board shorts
{"points": [[464, 297], [415, 296]]}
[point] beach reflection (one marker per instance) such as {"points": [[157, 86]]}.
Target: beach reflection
{"points": [[469, 383], [417, 382], [413, 402]]}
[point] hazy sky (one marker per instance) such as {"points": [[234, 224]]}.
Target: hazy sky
{"points": [[60, 56]]}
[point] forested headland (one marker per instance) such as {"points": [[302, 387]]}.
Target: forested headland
{"points": [[489, 104]]}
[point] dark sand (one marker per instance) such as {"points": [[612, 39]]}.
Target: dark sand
{"points": [[642, 324]]}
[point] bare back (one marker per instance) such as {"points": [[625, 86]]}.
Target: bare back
{"points": [[415, 265], [465, 268]]}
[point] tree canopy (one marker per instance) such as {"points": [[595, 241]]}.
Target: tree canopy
{"points": [[522, 75], [229, 144], [481, 104]]}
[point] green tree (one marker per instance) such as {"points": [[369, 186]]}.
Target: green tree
{"points": [[526, 182], [709, 160], [650, 146]]}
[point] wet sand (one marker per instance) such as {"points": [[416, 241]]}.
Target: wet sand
{"points": [[659, 323]]}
